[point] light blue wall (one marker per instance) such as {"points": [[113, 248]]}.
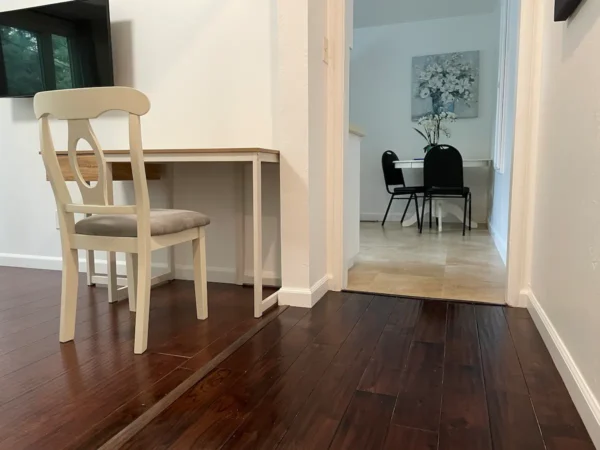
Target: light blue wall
{"points": [[499, 216], [498, 222]]}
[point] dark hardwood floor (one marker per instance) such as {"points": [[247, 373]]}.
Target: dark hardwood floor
{"points": [[80, 394], [355, 372], [368, 372]]}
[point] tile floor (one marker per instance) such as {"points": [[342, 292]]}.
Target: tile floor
{"points": [[396, 260]]}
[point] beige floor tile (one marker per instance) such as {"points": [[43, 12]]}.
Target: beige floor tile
{"points": [[397, 260], [411, 285], [468, 293]]}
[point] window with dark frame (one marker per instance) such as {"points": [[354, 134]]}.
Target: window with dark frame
{"points": [[35, 62]]}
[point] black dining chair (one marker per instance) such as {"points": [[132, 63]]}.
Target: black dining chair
{"points": [[443, 178], [396, 187]]}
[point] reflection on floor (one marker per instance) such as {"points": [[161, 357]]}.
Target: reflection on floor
{"points": [[396, 260]]}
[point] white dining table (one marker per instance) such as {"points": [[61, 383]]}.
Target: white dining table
{"points": [[440, 207]]}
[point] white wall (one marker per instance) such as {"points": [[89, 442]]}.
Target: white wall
{"points": [[565, 269], [208, 71], [380, 100], [317, 116], [351, 197], [372, 13], [500, 210], [301, 132]]}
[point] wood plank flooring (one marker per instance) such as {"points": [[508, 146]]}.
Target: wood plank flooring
{"points": [[368, 372], [355, 372], [80, 394]]}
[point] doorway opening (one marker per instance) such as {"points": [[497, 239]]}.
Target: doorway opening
{"points": [[451, 74]]}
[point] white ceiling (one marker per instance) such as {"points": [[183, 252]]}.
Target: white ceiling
{"points": [[371, 13]]}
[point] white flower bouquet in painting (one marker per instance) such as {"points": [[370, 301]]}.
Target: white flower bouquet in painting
{"points": [[434, 125], [448, 82]]}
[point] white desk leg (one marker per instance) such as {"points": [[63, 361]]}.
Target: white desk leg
{"points": [[171, 205], [240, 224], [111, 257], [439, 213], [257, 231]]}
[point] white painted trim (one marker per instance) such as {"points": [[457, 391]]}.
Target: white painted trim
{"points": [[182, 272], [32, 261], [55, 263], [520, 236], [350, 262], [525, 151], [305, 298], [499, 158], [270, 301], [356, 131], [499, 241], [226, 275], [338, 128], [586, 403], [378, 217]]}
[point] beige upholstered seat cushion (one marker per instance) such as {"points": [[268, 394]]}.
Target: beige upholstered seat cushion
{"points": [[162, 221]]}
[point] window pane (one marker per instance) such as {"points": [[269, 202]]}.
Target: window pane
{"points": [[62, 62], [22, 61]]}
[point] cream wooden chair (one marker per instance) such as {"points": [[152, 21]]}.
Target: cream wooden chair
{"points": [[136, 230]]}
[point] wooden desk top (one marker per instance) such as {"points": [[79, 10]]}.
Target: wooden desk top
{"points": [[155, 158], [189, 151]]}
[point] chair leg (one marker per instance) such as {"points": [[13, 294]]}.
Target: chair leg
{"points": [[387, 210], [470, 209], [132, 269], [417, 210], [430, 211], [406, 208], [68, 299], [465, 215], [199, 248], [111, 273], [143, 301], [423, 214]]}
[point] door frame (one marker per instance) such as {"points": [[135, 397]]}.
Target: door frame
{"points": [[522, 196]]}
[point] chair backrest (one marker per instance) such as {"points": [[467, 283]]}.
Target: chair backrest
{"points": [[443, 167], [391, 175], [77, 107]]}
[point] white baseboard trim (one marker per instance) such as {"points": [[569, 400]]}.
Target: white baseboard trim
{"points": [[395, 217], [378, 217], [499, 241], [585, 401], [55, 263], [225, 275], [182, 272], [351, 261], [304, 298], [30, 261]]}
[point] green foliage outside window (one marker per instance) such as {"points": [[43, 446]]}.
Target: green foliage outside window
{"points": [[21, 53], [62, 62], [23, 61]]}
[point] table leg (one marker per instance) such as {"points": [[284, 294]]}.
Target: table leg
{"points": [[171, 205], [257, 231], [240, 224], [439, 214]]}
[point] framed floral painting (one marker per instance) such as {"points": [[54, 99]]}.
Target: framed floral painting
{"points": [[447, 82]]}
